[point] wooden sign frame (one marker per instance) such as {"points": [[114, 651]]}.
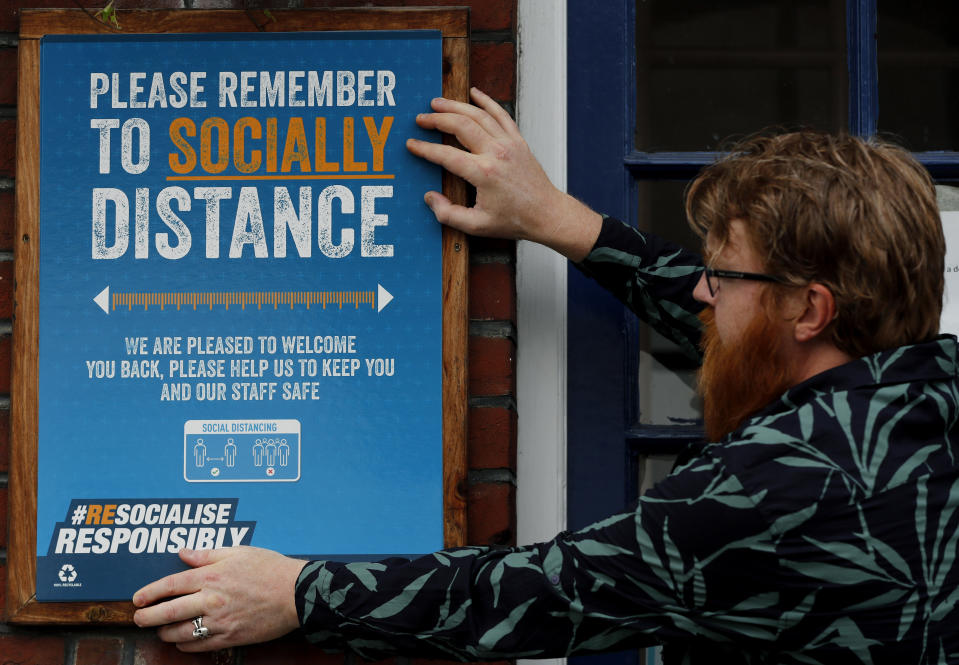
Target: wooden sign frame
{"points": [[22, 606]]}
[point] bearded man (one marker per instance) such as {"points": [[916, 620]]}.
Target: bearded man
{"points": [[819, 526]]}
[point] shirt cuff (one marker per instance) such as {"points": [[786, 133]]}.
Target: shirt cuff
{"points": [[611, 234], [311, 591]]}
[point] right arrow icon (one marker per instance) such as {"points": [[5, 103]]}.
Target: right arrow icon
{"points": [[383, 298]]}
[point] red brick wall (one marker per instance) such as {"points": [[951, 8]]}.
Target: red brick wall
{"points": [[492, 310]]}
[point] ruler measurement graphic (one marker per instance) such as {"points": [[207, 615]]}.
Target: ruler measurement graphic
{"points": [[242, 299], [118, 300]]}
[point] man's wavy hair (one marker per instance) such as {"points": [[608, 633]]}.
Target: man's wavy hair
{"points": [[856, 215]]}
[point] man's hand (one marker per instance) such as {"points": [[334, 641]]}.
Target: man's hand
{"points": [[244, 594], [514, 197]]}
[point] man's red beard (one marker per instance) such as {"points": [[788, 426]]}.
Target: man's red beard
{"points": [[739, 378]]}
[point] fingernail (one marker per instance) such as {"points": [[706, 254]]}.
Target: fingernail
{"points": [[428, 198], [137, 600]]}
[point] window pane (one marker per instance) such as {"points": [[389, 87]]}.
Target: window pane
{"points": [[667, 378], [948, 199], [918, 52], [651, 469], [708, 71]]}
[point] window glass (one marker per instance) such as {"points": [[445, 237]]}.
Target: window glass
{"points": [[651, 469], [708, 71], [948, 199], [667, 378], [918, 59]]}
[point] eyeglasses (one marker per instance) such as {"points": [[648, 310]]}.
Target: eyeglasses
{"points": [[712, 274]]}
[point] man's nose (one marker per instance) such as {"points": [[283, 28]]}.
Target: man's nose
{"points": [[701, 292]]}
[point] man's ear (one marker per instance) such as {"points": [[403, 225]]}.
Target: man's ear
{"points": [[819, 310]]}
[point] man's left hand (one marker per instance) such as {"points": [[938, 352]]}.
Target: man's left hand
{"points": [[243, 594]]}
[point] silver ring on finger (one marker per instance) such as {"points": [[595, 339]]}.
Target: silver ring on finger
{"points": [[200, 631]]}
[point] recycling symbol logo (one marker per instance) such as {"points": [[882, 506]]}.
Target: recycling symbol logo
{"points": [[67, 573]]}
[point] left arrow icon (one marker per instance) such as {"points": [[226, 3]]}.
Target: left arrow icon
{"points": [[103, 300]]}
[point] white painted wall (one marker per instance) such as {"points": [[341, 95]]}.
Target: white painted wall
{"points": [[541, 283], [541, 287]]}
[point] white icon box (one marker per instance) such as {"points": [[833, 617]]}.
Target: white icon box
{"points": [[241, 451]]}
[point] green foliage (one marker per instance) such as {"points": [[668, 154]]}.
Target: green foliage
{"points": [[108, 15]]}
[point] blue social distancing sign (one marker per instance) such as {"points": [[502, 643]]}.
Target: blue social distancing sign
{"points": [[240, 302]]}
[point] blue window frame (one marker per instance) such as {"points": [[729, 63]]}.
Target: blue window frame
{"points": [[605, 436]]}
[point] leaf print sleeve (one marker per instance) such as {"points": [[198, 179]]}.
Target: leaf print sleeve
{"points": [[635, 578], [652, 277]]}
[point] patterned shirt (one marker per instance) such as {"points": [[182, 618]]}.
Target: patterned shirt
{"points": [[823, 530]]}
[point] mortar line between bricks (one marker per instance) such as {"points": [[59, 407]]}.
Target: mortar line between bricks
{"points": [[129, 647], [494, 329], [492, 256], [69, 650], [474, 402], [497, 476], [492, 36]]}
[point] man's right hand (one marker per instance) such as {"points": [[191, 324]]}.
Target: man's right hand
{"points": [[514, 197]]}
